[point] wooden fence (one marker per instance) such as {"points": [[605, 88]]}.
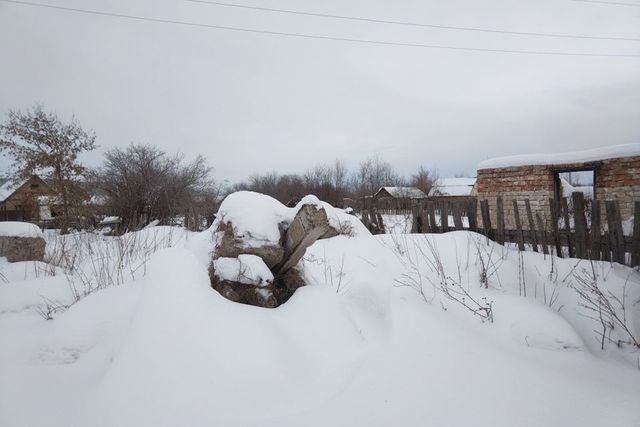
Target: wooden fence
{"points": [[549, 232]]}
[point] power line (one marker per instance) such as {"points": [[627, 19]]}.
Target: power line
{"points": [[320, 37], [615, 3], [411, 24]]}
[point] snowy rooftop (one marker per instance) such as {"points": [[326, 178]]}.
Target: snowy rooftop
{"points": [[452, 187], [8, 187], [404, 192], [602, 153], [19, 229]]}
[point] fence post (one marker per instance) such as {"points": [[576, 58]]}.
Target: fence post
{"points": [[471, 215], [444, 216], [554, 208], [615, 231], [635, 242], [567, 226], [415, 223], [380, 223], [457, 216], [532, 227], [580, 224], [542, 233], [500, 225], [595, 230], [432, 217], [516, 214], [365, 219], [486, 219], [424, 220]]}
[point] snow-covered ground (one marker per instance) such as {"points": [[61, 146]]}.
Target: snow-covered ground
{"points": [[392, 330]]}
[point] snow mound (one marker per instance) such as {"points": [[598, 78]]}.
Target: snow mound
{"points": [[602, 153], [258, 218], [255, 217], [247, 269], [19, 229]]}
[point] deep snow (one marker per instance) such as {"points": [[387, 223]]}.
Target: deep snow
{"points": [[358, 346], [594, 154]]}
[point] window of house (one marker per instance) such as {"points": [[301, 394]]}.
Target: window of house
{"points": [[580, 181], [33, 186]]}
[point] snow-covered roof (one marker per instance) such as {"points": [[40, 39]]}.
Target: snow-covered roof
{"points": [[19, 229], [452, 187], [8, 188], [404, 192], [602, 153]]}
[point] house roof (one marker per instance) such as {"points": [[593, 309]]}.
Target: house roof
{"points": [[452, 187], [8, 187], [404, 192]]}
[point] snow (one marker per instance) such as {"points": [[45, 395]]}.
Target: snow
{"points": [[452, 187], [372, 340], [595, 154], [247, 269], [568, 189], [8, 188], [19, 229], [257, 218], [110, 220], [404, 192]]}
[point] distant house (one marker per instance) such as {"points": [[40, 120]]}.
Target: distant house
{"points": [[453, 188], [398, 197], [28, 200]]}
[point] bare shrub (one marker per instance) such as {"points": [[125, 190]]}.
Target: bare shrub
{"points": [[451, 289], [143, 183], [606, 308]]}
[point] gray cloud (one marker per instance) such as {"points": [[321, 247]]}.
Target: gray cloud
{"points": [[254, 103]]}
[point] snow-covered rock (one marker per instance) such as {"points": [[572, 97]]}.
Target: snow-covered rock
{"points": [[19, 229], [21, 241], [246, 269], [252, 224]]}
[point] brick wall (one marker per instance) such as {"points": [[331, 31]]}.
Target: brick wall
{"points": [[515, 183], [619, 179], [616, 179]]}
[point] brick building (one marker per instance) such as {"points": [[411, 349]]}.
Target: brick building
{"points": [[615, 175]]}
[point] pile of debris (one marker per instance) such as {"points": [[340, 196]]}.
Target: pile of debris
{"points": [[259, 243]]}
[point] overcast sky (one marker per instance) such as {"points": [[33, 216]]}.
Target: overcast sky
{"points": [[256, 102]]}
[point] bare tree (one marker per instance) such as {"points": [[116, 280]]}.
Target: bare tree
{"points": [[424, 179], [143, 183], [40, 142], [372, 174]]}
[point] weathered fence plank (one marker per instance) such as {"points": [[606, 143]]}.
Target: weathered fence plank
{"points": [[555, 215], [635, 242], [486, 219], [542, 234], [595, 249], [444, 217], [580, 224], [380, 223], [616, 237], [457, 216], [424, 219], [567, 226], [532, 227], [520, 236], [416, 226], [431, 209], [471, 215], [500, 219]]}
